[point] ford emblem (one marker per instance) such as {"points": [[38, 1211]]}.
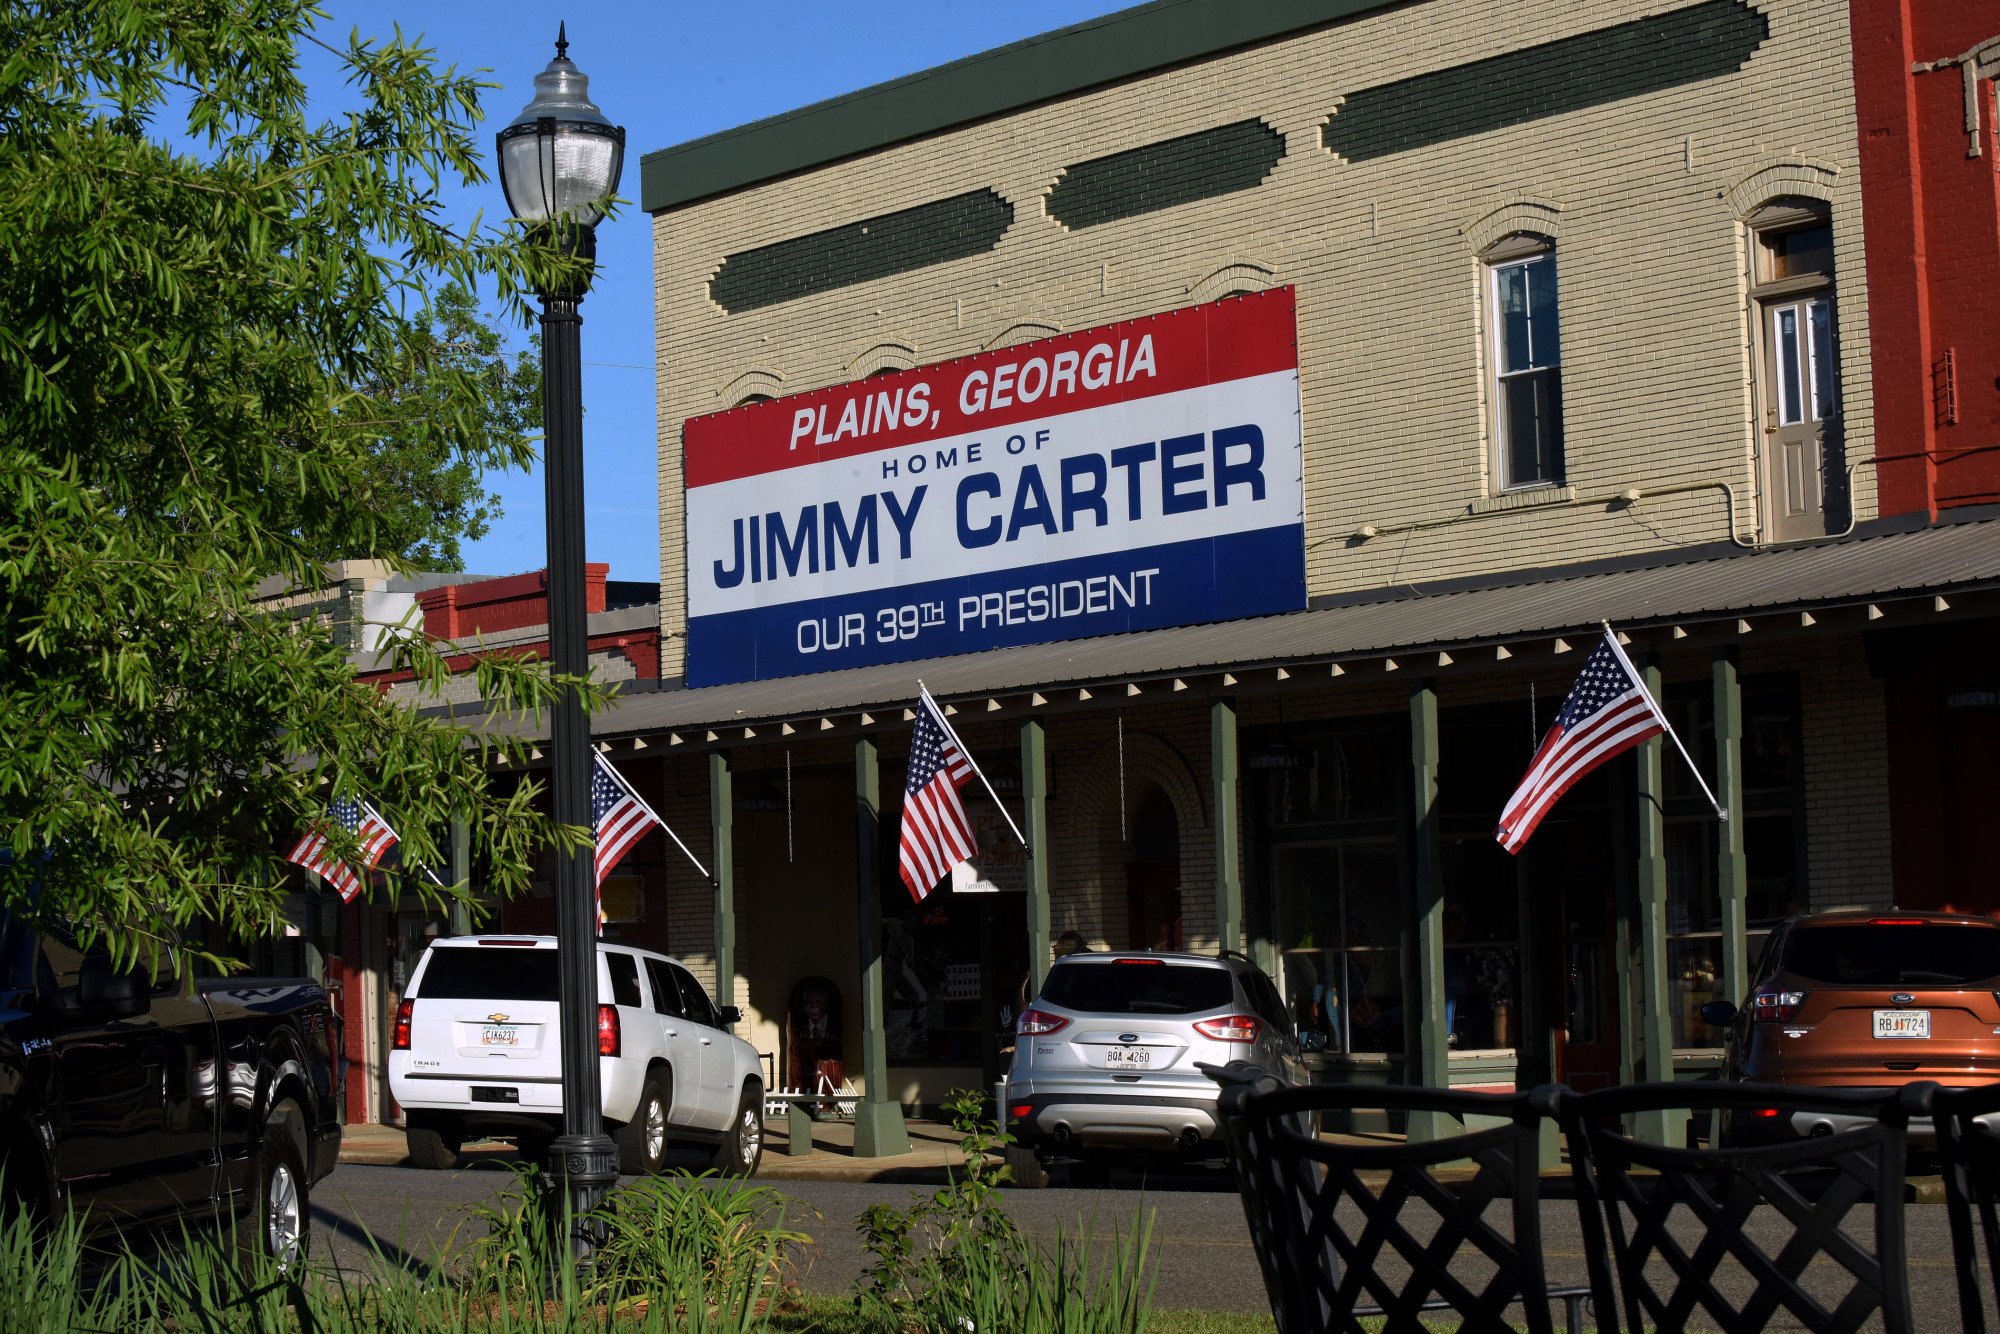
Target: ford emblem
{"points": [[1128, 1037], [1902, 998]]}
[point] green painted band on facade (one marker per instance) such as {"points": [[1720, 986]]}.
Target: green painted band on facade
{"points": [[1174, 171], [1039, 69], [912, 238], [1591, 69]]}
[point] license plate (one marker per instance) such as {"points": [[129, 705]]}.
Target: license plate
{"points": [[500, 1037], [1902, 1023], [1127, 1058]]}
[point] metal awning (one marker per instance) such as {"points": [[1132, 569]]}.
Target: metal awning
{"points": [[1932, 560]]}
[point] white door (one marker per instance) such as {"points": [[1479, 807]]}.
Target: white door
{"points": [[718, 1100], [1799, 402], [681, 1041]]}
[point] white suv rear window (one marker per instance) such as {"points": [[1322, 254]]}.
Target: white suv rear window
{"points": [[1138, 988], [495, 974]]}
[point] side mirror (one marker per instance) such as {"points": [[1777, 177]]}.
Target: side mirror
{"points": [[1718, 1014], [1312, 1040], [111, 995], [728, 1015]]}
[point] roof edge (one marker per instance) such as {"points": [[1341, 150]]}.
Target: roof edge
{"points": [[1036, 69]]}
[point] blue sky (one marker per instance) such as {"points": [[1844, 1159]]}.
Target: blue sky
{"points": [[668, 74]]}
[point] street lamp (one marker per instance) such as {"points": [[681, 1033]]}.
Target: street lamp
{"points": [[559, 164]]}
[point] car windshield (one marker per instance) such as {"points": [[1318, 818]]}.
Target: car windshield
{"points": [[1888, 956], [490, 974], [1138, 988]]}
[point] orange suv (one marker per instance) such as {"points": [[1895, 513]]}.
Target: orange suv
{"points": [[1868, 1000]]}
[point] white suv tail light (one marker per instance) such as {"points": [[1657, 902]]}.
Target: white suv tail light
{"points": [[1034, 1023], [1230, 1028]]}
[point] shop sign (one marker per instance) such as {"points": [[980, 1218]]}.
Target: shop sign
{"points": [[1129, 477]]}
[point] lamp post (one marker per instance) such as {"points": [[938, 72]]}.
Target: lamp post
{"points": [[559, 163]]}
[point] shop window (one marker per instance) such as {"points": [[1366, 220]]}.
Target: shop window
{"points": [[1527, 362], [1482, 945], [1331, 774], [1773, 825], [1340, 935]]}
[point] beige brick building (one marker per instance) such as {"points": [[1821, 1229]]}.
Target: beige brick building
{"points": [[1582, 335]]}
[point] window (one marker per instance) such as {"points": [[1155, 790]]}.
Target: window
{"points": [[1150, 986], [694, 998], [624, 979], [1527, 362], [491, 975], [666, 996], [1868, 955], [1340, 932], [1773, 796]]}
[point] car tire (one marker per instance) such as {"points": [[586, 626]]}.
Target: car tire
{"points": [[276, 1224], [534, 1148], [742, 1146], [430, 1150], [642, 1141], [1026, 1169]]}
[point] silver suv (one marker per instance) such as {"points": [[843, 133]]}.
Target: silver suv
{"points": [[1105, 1059]]}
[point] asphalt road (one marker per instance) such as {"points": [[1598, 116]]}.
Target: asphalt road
{"points": [[1200, 1238]]}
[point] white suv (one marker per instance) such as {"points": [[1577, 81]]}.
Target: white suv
{"points": [[477, 1052]]}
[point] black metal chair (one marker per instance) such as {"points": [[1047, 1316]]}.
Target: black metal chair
{"points": [[1322, 1273], [1853, 1149], [1969, 1147]]}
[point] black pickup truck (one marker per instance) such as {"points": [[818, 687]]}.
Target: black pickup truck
{"points": [[144, 1101]]}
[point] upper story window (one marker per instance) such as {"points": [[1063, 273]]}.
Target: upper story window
{"points": [[1527, 361]]}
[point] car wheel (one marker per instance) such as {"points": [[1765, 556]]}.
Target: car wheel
{"points": [[1025, 1168], [534, 1148], [642, 1141], [278, 1225], [430, 1150], [743, 1146]]}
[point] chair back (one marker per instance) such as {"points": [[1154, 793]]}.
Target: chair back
{"points": [[1321, 1262], [1968, 1141], [1672, 1216]]}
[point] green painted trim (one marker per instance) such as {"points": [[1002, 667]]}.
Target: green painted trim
{"points": [[722, 833], [1228, 837], [1221, 161], [1731, 871], [1591, 69], [878, 247], [1035, 814], [1430, 1044], [1039, 69]]}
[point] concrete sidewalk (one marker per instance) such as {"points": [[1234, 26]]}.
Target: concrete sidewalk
{"points": [[933, 1153]]}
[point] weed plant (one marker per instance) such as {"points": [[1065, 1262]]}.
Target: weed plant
{"points": [[677, 1255]]}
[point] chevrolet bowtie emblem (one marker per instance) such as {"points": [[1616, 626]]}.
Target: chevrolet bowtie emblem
{"points": [[497, 1018]]}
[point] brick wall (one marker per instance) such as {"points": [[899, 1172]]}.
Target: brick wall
{"points": [[1644, 196]]}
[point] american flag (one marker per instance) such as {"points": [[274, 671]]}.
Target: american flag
{"points": [[370, 830], [1607, 713], [618, 818], [936, 833]]}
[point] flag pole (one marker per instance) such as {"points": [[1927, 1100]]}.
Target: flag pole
{"points": [[1611, 636], [924, 697], [633, 793]]}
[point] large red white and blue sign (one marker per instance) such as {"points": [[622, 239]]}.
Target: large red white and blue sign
{"points": [[1130, 477]]}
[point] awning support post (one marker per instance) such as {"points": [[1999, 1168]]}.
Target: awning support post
{"points": [[1656, 1019], [1228, 845], [1426, 1043], [722, 833], [879, 1131], [1035, 818]]}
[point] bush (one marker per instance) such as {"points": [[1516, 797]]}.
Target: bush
{"points": [[955, 1263]]}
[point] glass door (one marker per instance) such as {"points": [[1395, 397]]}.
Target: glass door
{"points": [[1341, 942]]}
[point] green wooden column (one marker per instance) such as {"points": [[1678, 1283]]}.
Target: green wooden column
{"points": [[1656, 1020], [1426, 1042], [1035, 819], [1731, 878], [878, 1119], [1228, 847], [722, 839], [461, 874]]}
